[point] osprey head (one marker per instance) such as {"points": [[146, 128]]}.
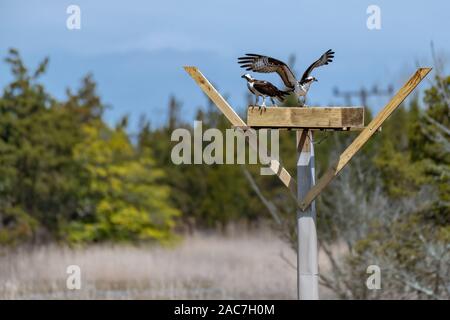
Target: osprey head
{"points": [[310, 79], [247, 76]]}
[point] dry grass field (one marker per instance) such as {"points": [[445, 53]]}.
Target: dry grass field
{"points": [[202, 266]]}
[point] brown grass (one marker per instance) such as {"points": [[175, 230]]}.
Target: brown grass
{"points": [[241, 266]]}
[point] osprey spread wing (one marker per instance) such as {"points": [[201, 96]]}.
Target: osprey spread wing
{"points": [[265, 64], [324, 59]]}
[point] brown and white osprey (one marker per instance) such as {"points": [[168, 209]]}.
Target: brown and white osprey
{"points": [[261, 88], [265, 64]]}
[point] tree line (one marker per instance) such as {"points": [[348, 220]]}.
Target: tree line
{"points": [[68, 176]]}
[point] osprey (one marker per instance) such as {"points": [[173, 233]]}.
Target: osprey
{"points": [[264, 89], [265, 64]]}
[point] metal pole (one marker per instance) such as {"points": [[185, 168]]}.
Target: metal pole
{"points": [[307, 265]]}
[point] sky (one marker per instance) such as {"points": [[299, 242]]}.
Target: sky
{"points": [[136, 49]]}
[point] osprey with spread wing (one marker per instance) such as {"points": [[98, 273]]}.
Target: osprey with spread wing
{"points": [[265, 64]]}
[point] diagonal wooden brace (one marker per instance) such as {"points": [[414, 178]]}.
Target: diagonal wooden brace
{"points": [[364, 136], [236, 121], [345, 157]]}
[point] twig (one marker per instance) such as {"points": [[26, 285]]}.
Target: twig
{"points": [[287, 260], [268, 204]]}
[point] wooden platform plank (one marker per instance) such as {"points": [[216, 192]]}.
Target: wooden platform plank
{"points": [[244, 128], [307, 118]]}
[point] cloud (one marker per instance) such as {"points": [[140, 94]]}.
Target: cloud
{"points": [[168, 40]]}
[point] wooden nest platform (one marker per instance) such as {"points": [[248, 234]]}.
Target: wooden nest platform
{"points": [[301, 118]]}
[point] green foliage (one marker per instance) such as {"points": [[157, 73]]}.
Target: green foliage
{"points": [[414, 150], [38, 176], [402, 176], [207, 195], [127, 201], [64, 174]]}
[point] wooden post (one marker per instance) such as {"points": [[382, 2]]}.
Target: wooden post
{"points": [[307, 264]]}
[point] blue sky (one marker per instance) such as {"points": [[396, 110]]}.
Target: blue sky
{"points": [[136, 49]]}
